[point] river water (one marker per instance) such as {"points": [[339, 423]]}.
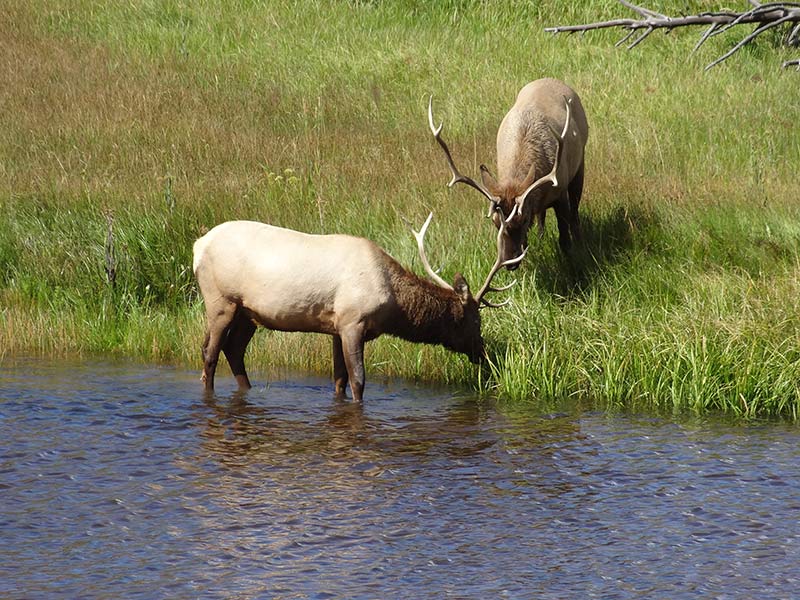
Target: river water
{"points": [[120, 480]]}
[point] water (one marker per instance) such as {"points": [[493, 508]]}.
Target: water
{"points": [[118, 480]]}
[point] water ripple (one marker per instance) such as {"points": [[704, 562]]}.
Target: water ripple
{"points": [[123, 480]]}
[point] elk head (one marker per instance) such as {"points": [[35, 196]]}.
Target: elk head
{"points": [[511, 207]]}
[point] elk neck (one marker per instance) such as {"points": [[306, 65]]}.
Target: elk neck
{"points": [[535, 145], [426, 312]]}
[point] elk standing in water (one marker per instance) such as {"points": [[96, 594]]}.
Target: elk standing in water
{"points": [[537, 168], [256, 274]]}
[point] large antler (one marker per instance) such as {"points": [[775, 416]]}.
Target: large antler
{"points": [[767, 16], [457, 177], [560, 139], [420, 236], [499, 264]]}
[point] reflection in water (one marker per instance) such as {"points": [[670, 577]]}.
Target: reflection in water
{"points": [[118, 477], [237, 429]]}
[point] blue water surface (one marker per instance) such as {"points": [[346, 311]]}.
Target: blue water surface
{"points": [[119, 480]]}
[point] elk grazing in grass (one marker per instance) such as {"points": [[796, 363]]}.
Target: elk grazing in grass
{"points": [[537, 168], [253, 274]]}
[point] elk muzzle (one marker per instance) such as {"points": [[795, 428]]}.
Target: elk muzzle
{"points": [[477, 353], [512, 246]]}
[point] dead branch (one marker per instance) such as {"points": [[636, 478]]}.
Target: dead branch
{"points": [[764, 16]]}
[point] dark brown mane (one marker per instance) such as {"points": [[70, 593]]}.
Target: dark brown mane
{"points": [[427, 312]]}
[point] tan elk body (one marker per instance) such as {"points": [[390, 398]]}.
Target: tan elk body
{"points": [[537, 167], [253, 274]]}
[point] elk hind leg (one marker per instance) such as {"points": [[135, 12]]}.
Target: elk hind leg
{"points": [[239, 335], [220, 315]]}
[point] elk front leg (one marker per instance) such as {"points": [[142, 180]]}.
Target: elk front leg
{"points": [[353, 352], [339, 368], [575, 191], [563, 217]]}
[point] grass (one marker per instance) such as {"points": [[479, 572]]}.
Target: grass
{"points": [[164, 118]]}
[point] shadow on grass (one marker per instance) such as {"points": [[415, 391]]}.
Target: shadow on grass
{"points": [[608, 240]]}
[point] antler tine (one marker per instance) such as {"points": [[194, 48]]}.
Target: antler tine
{"points": [[498, 264], [457, 177], [560, 139], [514, 211], [502, 288], [420, 237], [488, 304]]}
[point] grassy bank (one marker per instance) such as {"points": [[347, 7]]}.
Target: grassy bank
{"points": [[157, 120]]}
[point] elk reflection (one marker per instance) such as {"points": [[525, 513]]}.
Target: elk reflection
{"points": [[299, 444], [237, 429]]}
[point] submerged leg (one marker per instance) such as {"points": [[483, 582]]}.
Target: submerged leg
{"points": [[239, 335], [204, 347], [353, 352], [219, 314], [340, 376]]}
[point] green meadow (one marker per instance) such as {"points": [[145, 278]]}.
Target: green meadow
{"points": [[127, 129]]}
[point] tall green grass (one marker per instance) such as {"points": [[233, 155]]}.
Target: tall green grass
{"points": [[163, 118]]}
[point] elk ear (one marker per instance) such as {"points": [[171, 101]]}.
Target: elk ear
{"points": [[461, 288], [489, 182]]}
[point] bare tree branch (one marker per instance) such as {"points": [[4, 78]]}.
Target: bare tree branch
{"points": [[766, 16], [747, 39], [792, 39]]}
